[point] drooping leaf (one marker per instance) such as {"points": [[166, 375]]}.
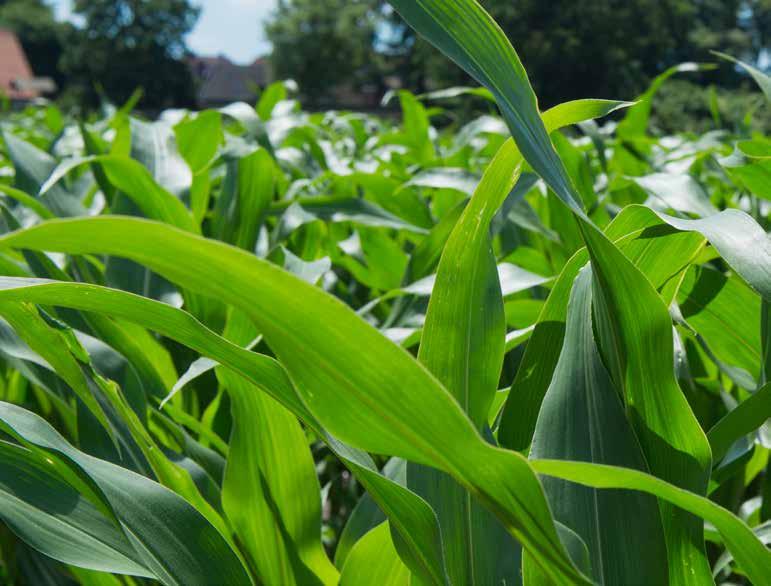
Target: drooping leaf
{"points": [[363, 422], [763, 81], [750, 553], [726, 313], [409, 514]]}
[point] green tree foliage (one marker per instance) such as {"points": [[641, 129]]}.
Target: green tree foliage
{"points": [[125, 44], [572, 48], [323, 44], [616, 47]]}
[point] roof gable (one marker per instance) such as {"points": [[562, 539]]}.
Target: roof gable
{"points": [[14, 66], [222, 81]]}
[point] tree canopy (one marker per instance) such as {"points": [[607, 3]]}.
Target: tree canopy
{"points": [[125, 44], [335, 37], [573, 48]]}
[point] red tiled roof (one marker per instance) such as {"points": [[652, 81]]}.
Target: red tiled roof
{"points": [[13, 66]]}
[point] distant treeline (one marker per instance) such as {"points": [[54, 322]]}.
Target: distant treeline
{"points": [[571, 48], [339, 49], [115, 47]]}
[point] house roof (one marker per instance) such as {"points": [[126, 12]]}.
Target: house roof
{"points": [[220, 81], [14, 67]]}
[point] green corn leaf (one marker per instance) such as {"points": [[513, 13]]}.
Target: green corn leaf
{"points": [[271, 96], [470, 238], [93, 147], [135, 181], [636, 338], [681, 193], [479, 214], [270, 492], [763, 80], [520, 412], [463, 345], [582, 418], [463, 31], [425, 257], [51, 516], [409, 514], [636, 121], [385, 419], [52, 346], [92, 578], [726, 313], [366, 515], [444, 178], [170, 474], [466, 33], [199, 138], [658, 258], [154, 146], [464, 332], [172, 539], [579, 553], [750, 553], [33, 167], [27, 200], [739, 240], [246, 194], [416, 127], [335, 209], [635, 316], [749, 415], [374, 560]]}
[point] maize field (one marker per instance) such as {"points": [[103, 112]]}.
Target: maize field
{"points": [[258, 345]]}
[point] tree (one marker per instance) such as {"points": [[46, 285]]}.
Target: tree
{"points": [[590, 48], [572, 48], [125, 44], [323, 43], [612, 48]]}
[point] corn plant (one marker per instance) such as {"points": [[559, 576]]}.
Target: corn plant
{"points": [[257, 345]]}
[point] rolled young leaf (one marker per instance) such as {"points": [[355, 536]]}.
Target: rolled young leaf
{"points": [[582, 418]]}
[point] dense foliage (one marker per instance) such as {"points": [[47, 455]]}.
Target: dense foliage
{"points": [[572, 48], [116, 47], [258, 345]]}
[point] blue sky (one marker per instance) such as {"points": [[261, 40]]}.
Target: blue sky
{"points": [[229, 27]]}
